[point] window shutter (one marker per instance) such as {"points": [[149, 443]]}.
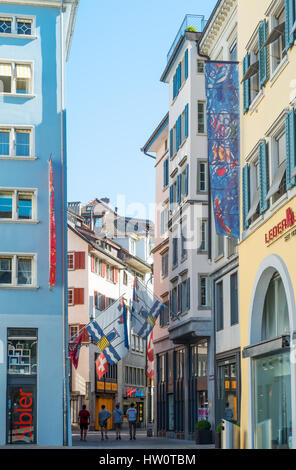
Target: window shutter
{"points": [[289, 22], [290, 148], [180, 131], [171, 143], [78, 296], [96, 299], [186, 120], [188, 293], [179, 76], [186, 64], [92, 264], [246, 195], [170, 304], [177, 135], [186, 179], [115, 276], [103, 269], [263, 172], [246, 84], [171, 194], [79, 260], [165, 173], [263, 73], [179, 183], [179, 298], [174, 87]]}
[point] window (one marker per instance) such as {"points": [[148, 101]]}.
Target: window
{"points": [[203, 236], [201, 117], [16, 78], [164, 315], [233, 299], [183, 239], [233, 52], [166, 173], [17, 205], [204, 291], [219, 306], [24, 26], [70, 296], [17, 271], [125, 278], [202, 358], [202, 176], [254, 57], [219, 245], [175, 251], [254, 211], [5, 25], [276, 38], [164, 265], [71, 265], [162, 368], [16, 25], [132, 247], [174, 304], [184, 296], [22, 351], [200, 66], [180, 359], [164, 217], [275, 320], [16, 142]]}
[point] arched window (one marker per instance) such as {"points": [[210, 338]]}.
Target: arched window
{"points": [[275, 321]]}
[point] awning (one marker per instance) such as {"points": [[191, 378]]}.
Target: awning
{"points": [[5, 70], [268, 346], [277, 31], [23, 71], [277, 181], [254, 205], [5, 19], [252, 70], [25, 21]]}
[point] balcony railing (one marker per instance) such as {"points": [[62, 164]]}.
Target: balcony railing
{"points": [[197, 21]]}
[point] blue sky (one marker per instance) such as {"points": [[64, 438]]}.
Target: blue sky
{"points": [[115, 98]]}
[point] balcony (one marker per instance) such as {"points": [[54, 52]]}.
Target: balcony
{"points": [[197, 21]]}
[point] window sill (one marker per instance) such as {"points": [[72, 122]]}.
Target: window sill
{"points": [[258, 98], [3, 286], [18, 36], [256, 222], [18, 95], [218, 258], [200, 134], [275, 206], [8, 157], [10, 221], [279, 70]]}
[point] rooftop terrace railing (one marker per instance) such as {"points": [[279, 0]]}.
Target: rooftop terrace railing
{"points": [[197, 21]]}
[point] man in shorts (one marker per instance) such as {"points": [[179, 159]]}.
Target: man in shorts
{"points": [[83, 419], [117, 419], [132, 421], [103, 417]]}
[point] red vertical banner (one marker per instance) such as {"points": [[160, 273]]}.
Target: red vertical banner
{"points": [[150, 358], [52, 231]]}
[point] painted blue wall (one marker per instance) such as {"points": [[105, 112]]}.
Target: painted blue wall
{"points": [[40, 308]]}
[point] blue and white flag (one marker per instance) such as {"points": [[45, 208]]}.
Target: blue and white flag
{"points": [[145, 310], [109, 331]]}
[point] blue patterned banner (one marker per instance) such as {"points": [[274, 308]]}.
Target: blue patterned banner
{"points": [[223, 127]]}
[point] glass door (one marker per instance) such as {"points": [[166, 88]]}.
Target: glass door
{"points": [[21, 414]]}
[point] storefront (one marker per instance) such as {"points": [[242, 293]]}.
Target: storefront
{"points": [[135, 395], [228, 385], [106, 393], [268, 360], [22, 386]]}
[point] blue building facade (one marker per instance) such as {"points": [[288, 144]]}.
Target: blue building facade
{"points": [[35, 38]]}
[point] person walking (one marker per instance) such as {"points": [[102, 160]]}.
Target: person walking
{"points": [[117, 416], [103, 417], [132, 421], [83, 419]]}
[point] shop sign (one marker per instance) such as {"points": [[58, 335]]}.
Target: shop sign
{"points": [[23, 417], [203, 413], [134, 392], [283, 225]]}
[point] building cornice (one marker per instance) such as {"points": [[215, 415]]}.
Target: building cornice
{"points": [[222, 12]]}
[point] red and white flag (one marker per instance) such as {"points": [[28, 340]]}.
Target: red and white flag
{"points": [[150, 357], [52, 231], [101, 366], [74, 350]]}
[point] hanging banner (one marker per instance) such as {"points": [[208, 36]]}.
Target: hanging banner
{"points": [[223, 128], [52, 231]]}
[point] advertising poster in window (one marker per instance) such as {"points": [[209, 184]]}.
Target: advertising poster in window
{"points": [[21, 414]]}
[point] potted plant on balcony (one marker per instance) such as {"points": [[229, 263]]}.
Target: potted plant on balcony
{"points": [[203, 433], [218, 435]]}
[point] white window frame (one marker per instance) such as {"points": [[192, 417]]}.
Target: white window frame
{"points": [[12, 142], [204, 117], [15, 192], [71, 255], [71, 289], [14, 257], [279, 6], [13, 64], [203, 223], [198, 62], [202, 277], [14, 18], [278, 130]]}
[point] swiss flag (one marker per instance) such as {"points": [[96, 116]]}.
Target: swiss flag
{"points": [[101, 366]]}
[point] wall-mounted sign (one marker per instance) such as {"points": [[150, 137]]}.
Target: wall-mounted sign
{"points": [[134, 392], [277, 230]]}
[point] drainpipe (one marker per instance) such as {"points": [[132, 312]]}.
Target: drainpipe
{"points": [[64, 241]]}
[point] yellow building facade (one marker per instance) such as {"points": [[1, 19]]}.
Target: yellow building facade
{"points": [[267, 250]]}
